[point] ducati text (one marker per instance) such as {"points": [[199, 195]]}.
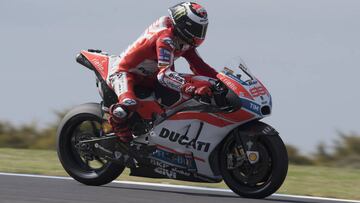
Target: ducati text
{"points": [[183, 140]]}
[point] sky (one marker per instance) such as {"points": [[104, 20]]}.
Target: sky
{"points": [[306, 52]]}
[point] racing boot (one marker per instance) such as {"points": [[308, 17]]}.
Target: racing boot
{"points": [[118, 120]]}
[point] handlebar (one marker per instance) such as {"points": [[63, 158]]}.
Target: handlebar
{"points": [[219, 96]]}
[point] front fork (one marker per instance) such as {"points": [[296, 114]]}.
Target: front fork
{"points": [[248, 143]]}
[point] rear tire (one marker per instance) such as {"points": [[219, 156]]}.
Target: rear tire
{"points": [[70, 158], [275, 163]]}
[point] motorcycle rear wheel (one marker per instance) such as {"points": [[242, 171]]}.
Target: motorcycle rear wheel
{"points": [[81, 122], [266, 176]]}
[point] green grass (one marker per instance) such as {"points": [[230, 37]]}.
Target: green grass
{"points": [[301, 180]]}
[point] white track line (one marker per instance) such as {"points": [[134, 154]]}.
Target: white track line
{"points": [[181, 187]]}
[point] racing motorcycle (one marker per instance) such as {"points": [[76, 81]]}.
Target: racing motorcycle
{"points": [[207, 139]]}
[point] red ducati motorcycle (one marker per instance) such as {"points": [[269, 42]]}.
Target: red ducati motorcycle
{"points": [[199, 139]]}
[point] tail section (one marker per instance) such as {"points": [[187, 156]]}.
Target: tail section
{"points": [[96, 61]]}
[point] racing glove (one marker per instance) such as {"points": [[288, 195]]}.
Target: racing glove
{"points": [[118, 120], [201, 88]]}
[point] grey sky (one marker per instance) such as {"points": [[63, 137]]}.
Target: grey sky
{"points": [[306, 52]]}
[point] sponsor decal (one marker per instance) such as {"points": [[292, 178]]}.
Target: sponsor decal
{"points": [[129, 102], [164, 56], [166, 172], [253, 156], [182, 172], [254, 107], [230, 84], [179, 12], [250, 105], [172, 84], [176, 78], [99, 64], [173, 159], [184, 140], [159, 163], [119, 82], [257, 91], [169, 42]]}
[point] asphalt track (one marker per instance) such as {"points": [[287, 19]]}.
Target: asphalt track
{"points": [[41, 189]]}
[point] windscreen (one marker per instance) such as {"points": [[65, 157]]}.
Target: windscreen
{"points": [[238, 70]]}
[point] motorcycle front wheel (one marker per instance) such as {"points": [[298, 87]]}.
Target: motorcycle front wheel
{"points": [[81, 123], [260, 179]]}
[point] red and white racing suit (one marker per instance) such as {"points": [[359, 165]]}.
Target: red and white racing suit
{"points": [[152, 57]]}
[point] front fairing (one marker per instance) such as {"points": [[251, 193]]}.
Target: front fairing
{"points": [[254, 97]]}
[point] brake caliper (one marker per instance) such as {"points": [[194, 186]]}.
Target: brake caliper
{"points": [[236, 158]]}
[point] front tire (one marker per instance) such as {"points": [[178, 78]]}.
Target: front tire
{"points": [[263, 178], [80, 123]]}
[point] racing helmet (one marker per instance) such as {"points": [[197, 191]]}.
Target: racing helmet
{"points": [[190, 22]]}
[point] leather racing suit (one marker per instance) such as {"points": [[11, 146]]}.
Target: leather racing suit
{"points": [[151, 57]]}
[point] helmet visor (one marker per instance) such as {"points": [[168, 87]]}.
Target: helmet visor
{"points": [[196, 30]]}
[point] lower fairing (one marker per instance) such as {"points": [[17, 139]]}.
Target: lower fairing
{"points": [[181, 154]]}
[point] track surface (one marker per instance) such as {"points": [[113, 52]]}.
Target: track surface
{"points": [[17, 189]]}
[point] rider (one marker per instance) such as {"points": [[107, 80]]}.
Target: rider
{"points": [[152, 57]]}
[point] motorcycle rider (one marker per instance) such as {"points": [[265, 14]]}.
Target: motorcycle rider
{"points": [[152, 57]]}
